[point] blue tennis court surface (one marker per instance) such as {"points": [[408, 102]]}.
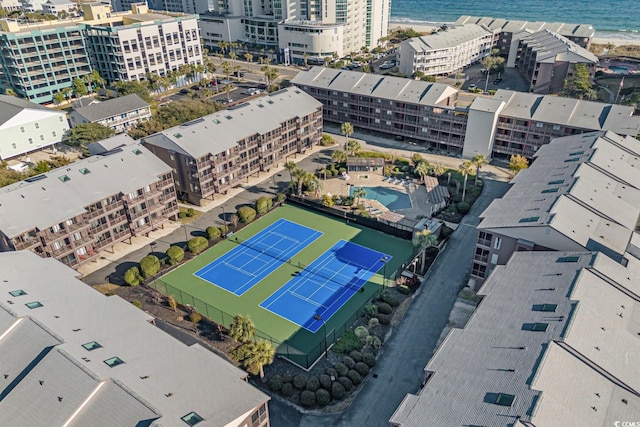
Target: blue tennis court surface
{"points": [[318, 291], [254, 259]]}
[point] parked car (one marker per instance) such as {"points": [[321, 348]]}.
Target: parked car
{"points": [[497, 81], [185, 91], [238, 74], [262, 86], [473, 86]]}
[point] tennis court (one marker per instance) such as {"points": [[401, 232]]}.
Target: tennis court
{"points": [[252, 260], [317, 292]]}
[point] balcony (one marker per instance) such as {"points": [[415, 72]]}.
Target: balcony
{"points": [[25, 244], [120, 235], [63, 250]]}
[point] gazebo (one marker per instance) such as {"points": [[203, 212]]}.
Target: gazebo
{"points": [[365, 164]]}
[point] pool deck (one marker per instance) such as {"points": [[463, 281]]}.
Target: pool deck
{"points": [[417, 192]]}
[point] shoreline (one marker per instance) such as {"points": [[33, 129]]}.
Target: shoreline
{"points": [[599, 38]]}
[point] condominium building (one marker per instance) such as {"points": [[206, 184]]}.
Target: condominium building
{"points": [[56, 7], [446, 51], [27, 127], [118, 114], [547, 59], [553, 342], [416, 110], [582, 192], [426, 113], [38, 60], [214, 153], [297, 30], [72, 356], [72, 212]]}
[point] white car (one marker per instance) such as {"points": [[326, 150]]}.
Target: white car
{"points": [[472, 86]]}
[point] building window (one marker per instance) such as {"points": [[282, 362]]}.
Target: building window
{"points": [[494, 259], [34, 304], [479, 270], [545, 307], [90, 346], [497, 243], [568, 259], [114, 361], [192, 418], [503, 399]]}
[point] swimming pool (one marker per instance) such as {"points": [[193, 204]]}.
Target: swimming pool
{"points": [[391, 198], [619, 69]]}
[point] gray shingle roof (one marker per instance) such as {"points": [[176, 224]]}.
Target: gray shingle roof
{"points": [[367, 84], [10, 106], [449, 38], [552, 47], [498, 352], [503, 25], [112, 107], [220, 131], [160, 376], [44, 202]]}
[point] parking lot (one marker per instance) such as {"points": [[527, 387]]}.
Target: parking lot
{"points": [[510, 79]]}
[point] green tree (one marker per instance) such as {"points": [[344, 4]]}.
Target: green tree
{"points": [[479, 161], [87, 133], [423, 240], [290, 166], [359, 192], [353, 146], [466, 169], [579, 86], [197, 245], [150, 266], [79, 87], [258, 355], [139, 88], [41, 167], [423, 168], [347, 130], [242, 328], [175, 254], [227, 89], [263, 204], [302, 177], [339, 156], [132, 276], [492, 63], [518, 162], [59, 97]]}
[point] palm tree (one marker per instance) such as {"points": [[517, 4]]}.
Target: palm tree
{"points": [[347, 130], [249, 58], [423, 168], [272, 53], [466, 169], [228, 88], [242, 328], [366, 68], [518, 162], [423, 240], [226, 69], [359, 192], [301, 176], [339, 156], [316, 184], [353, 146], [237, 69], [438, 169], [290, 166], [259, 354], [479, 161], [233, 57]]}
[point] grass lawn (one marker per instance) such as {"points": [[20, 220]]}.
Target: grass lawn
{"points": [[220, 305]]}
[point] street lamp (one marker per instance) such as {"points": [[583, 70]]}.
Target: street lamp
{"points": [[224, 217], [152, 244], [324, 326], [384, 260]]}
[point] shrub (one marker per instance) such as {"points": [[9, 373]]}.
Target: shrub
{"points": [[368, 340], [213, 232], [182, 215], [327, 201], [280, 197], [287, 378], [327, 140], [287, 390], [356, 356], [391, 300], [384, 308], [322, 397], [355, 377], [463, 207], [195, 317], [223, 230], [362, 368], [347, 201], [329, 173], [299, 381], [263, 204], [246, 214], [404, 289], [150, 266], [348, 362], [313, 384], [338, 391], [175, 254], [377, 343], [132, 276], [384, 319], [137, 303], [346, 383], [197, 245], [331, 371], [347, 342], [276, 383], [307, 398], [369, 359], [325, 381], [191, 212], [373, 322], [445, 232], [361, 331], [341, 368], [341, 170]]}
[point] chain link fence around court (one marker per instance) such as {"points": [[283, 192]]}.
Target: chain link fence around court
{"points": [[303, 358]]}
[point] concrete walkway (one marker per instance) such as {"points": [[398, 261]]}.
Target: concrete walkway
{"points": [[400, 367]]}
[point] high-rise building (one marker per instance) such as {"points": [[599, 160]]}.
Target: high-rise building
{"points": [[38, 60], [297, 30]]}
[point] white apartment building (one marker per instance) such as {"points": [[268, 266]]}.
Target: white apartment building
{"points": [[295, 29], [446, 51], [54, 7]]}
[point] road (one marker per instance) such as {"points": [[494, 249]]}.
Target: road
{"points": [[400, 367]]}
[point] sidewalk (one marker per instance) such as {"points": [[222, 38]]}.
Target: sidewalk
{"points": [[122, 249]]}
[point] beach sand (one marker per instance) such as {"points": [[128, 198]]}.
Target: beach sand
{"points": [[597, 39]]}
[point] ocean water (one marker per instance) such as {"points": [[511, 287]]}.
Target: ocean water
{"points": [[610, 18]]}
